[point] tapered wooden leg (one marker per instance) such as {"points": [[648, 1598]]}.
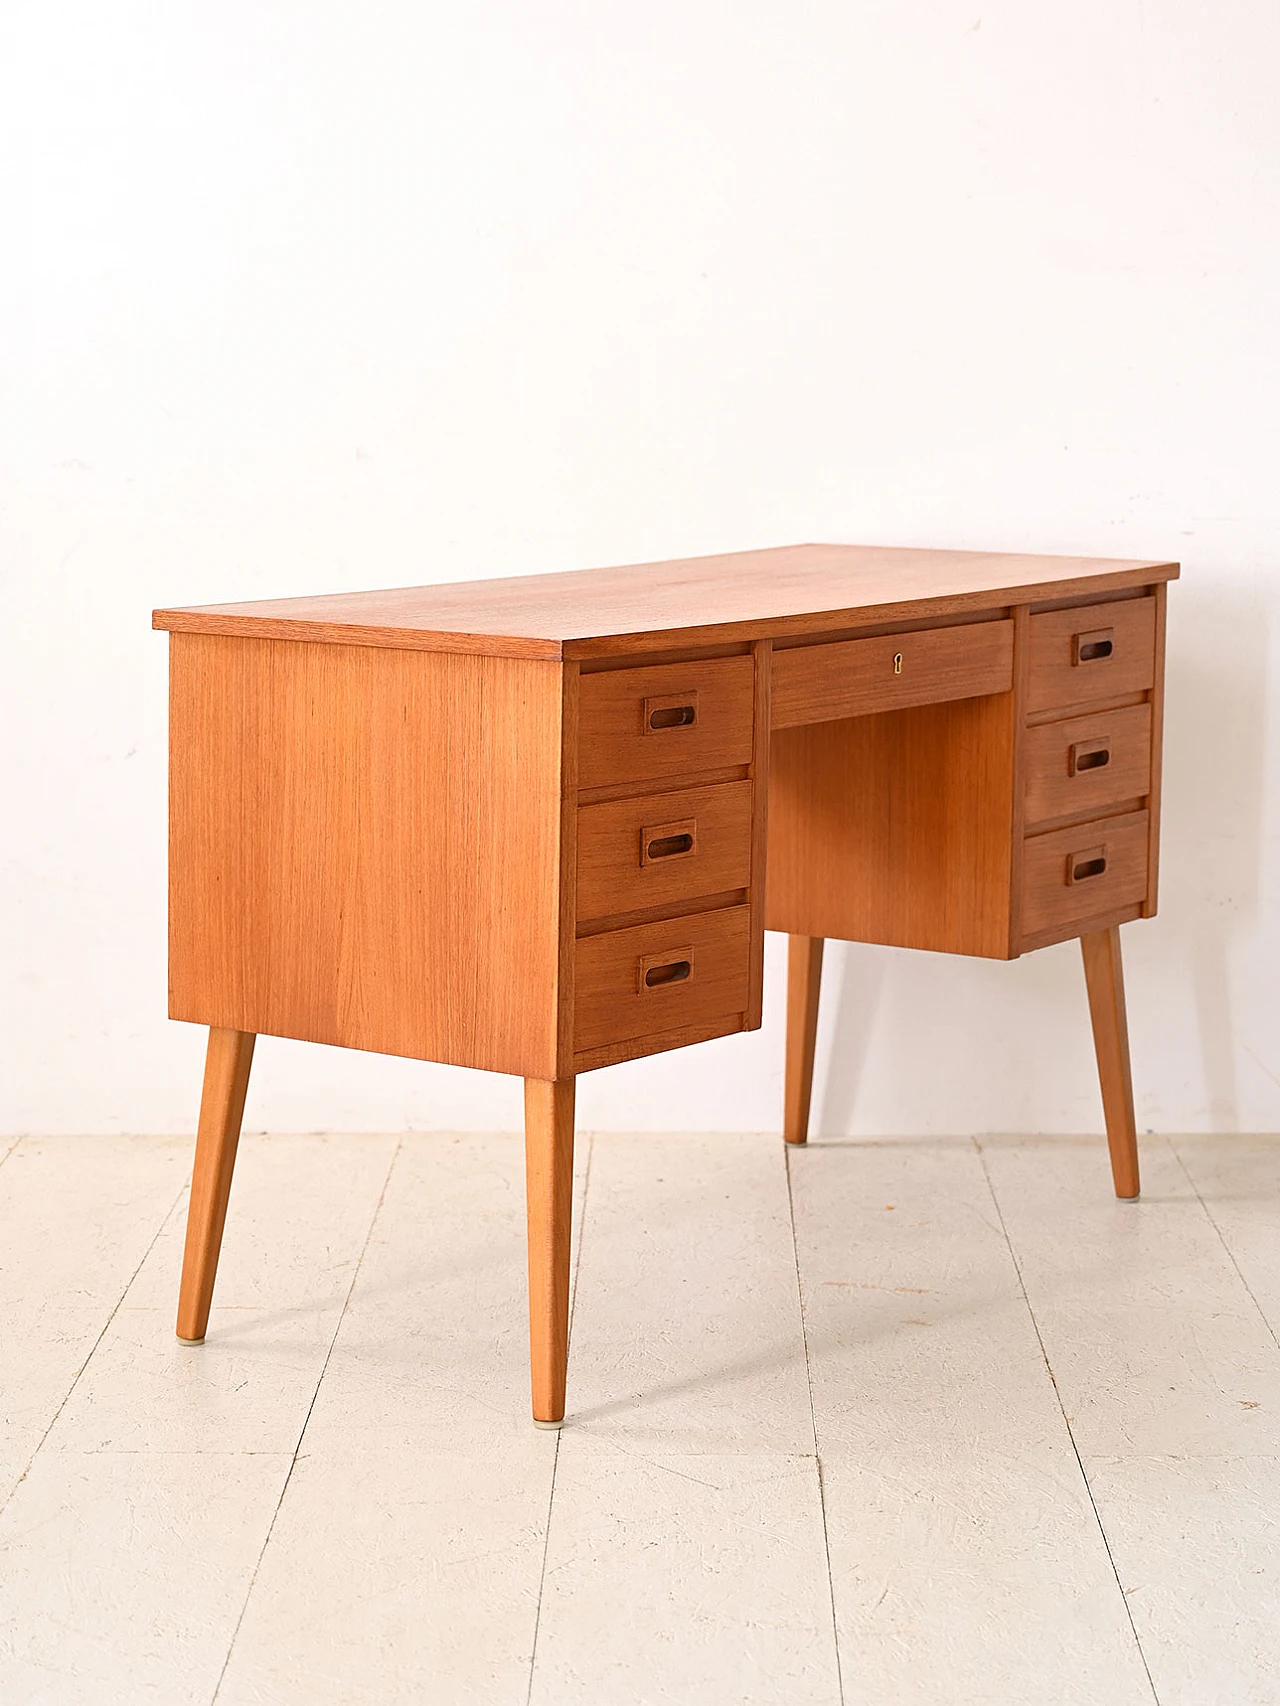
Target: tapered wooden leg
{"points": [[804, 978], [548, 1151], [1104, 975], [226, 1081]]}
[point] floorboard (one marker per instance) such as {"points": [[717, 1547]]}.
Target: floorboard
{"points": [[899, 1423], [1170, 1377]]}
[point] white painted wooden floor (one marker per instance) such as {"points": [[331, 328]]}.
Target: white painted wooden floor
{"points": [[1022, 1445]]}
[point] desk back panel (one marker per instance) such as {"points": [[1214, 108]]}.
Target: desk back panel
{"points": [[365, 848], [896, 827]]}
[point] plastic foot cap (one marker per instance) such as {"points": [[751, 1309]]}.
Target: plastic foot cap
{"points": [[541, 1424], [183, 1341]]}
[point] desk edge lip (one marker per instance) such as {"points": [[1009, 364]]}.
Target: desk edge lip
{"points": [[621, 644]]}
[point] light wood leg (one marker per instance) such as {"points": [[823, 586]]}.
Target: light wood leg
{"points": [[548, 1150], [226, 1081], [1104, 976], [804, 979]]}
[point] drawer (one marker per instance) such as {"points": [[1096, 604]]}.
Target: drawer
{"points": [[1087, 764], [664, 719], [1083, 873], [660, 977], [661, 848], [850, 678], [1093, 653]]}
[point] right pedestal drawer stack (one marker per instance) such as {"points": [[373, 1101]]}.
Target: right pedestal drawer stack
{"points": [[1090, 763]]}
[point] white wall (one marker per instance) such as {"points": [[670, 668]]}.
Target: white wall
{"points": [[320, 296]]}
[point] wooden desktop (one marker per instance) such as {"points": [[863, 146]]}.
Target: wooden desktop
{"points": [[525, 825]]}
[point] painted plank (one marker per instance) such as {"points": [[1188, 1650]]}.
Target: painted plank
{"points": [[1237, 1178], [301, 1208], [966, 1560], [684, 1577], [77, 1215], [1155, 1343], [1171, 1377], [433, 1352], [122, 1575], [687, 1332], [394, 1576], [1198, 1547], [406, 1559]]}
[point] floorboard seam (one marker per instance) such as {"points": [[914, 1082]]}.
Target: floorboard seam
{"points": [[1209, 1215], [555, 1461], [79, 1374], [577, 1265], [293, 1461], [542, 1573], [1053, 1381], [813, 1423]]}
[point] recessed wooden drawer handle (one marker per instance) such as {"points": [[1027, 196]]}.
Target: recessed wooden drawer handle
{"points": [[662, 841], [1095, 646], [1082, 866], [1089, 755], [658, 970], [676, 971], [673, 711]]}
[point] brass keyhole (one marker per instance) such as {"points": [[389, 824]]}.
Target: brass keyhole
{"points": [[897, 663]]}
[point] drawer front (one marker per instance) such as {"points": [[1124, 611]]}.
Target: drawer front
{"points": [[1082, 873], [851, 678], [1097, 652], [1088, 763], [664, 719], [662, 848], [659, 977]]}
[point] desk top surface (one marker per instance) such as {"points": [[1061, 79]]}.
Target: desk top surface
{"points": [[743, 595]]}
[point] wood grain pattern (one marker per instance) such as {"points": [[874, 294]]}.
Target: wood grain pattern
{"points": [[226, 1082], [1021, 617], [616, 876], [927, 666], [655, 1042], [1160, 598], [1059, 682], [804, 984], [365, 848], [616, 743], [1052, 900], [614, 1004], [762, 655], [548, 1149], [1101, 920], [745, 595], [1104, 978], [896, 828], [567, 949], [1063, 775]]}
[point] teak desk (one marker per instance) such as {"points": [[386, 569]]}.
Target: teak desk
{"points": [[525, 824]]}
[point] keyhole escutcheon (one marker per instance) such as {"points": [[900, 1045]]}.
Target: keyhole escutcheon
{"points": [[897, 663]]}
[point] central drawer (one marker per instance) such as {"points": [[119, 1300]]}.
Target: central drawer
{"points": [[889, 672], [662, 977], [660, 848]]}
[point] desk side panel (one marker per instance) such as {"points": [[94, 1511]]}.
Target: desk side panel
{"points": [[365, 848], [896, 827]]}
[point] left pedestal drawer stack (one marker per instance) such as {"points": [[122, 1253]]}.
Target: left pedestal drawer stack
{"points": [[667, 796]]}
